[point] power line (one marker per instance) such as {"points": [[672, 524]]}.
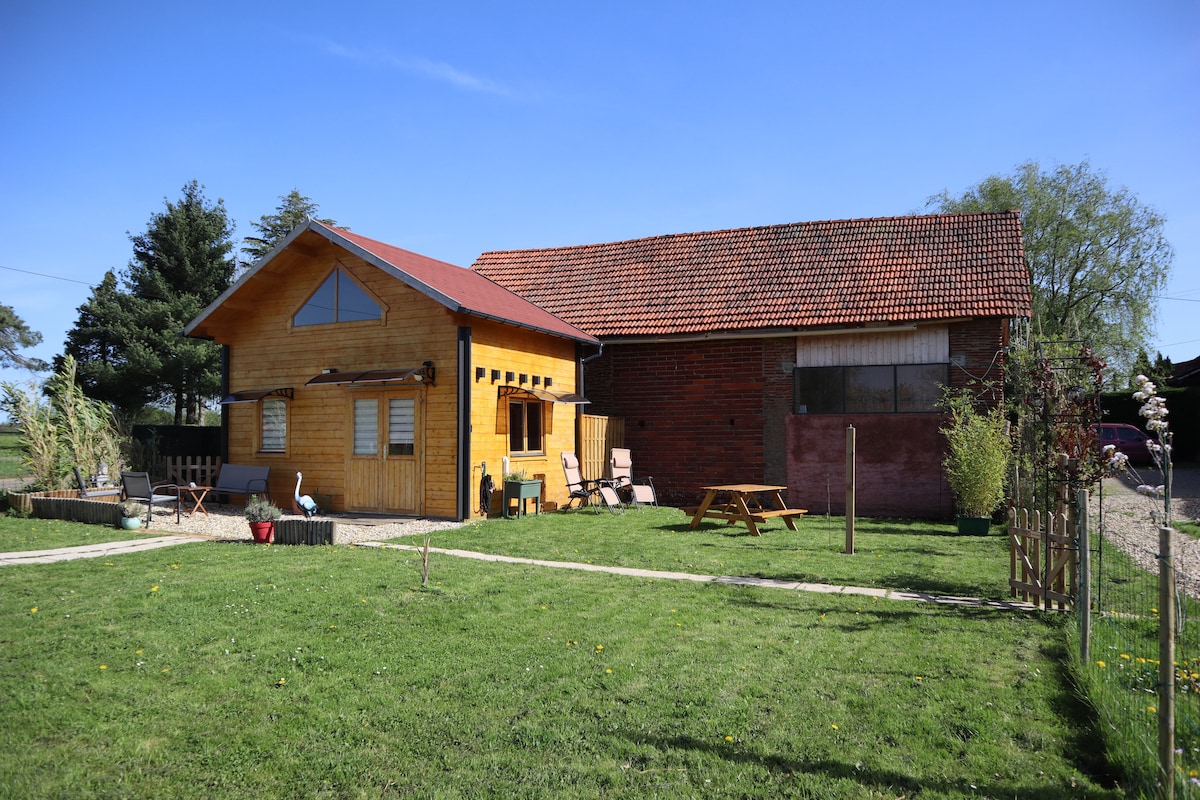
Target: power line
{"points": [[44, 275]]}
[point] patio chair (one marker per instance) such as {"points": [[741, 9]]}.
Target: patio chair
{"points": [[137, 487], [580, 488], [90, 494], [609, 496], [639, 494]]}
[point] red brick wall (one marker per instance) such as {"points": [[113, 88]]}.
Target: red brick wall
{"points": [[897, 465], [693, 411], [719, 411]]}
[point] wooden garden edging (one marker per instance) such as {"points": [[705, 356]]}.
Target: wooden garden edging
{"points": [[72, 509], [304, 531], [22, 502]]}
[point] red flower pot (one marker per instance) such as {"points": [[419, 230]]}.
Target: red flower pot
{"points": [[263, 532]]}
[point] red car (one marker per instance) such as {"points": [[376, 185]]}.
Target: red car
{"points": [[1129, 440]]}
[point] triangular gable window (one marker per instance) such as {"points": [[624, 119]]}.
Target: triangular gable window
{"points": [[339, 299]]}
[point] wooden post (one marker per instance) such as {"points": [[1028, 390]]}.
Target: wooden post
{"points": [[1166, 665], [1083, 595], [850, 490]]}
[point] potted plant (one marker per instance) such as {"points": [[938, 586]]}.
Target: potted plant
{"points": [[261, 515], [977, 459], [131, 515]]}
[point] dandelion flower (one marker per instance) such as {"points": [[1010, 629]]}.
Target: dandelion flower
{"points": [[1152, 709], [104, 666], [154, 588], [33, 610], [608, 672], [1125, 656], [729, 738], [599, 647], [834, 726], [281, 682], [1101, 664]]}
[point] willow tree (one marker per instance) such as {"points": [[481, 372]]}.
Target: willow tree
{"points": [[1097, 255]]}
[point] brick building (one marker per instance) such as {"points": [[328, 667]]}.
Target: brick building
{"points": [[743, 355]]}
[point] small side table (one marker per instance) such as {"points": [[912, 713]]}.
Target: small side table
{"points": [[197, 495]]}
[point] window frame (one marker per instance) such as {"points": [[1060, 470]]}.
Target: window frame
{"points": [[527, 405], [264, 416], [339, 274], [834, 397]]}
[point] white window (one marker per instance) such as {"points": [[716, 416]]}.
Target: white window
{"points": [[366, 427], [274, 426], [401, 426]]}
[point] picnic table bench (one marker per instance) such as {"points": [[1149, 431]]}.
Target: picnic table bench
{"points": [[742, 505]]}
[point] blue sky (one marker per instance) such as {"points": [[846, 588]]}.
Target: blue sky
{"points": [[454, 128]]}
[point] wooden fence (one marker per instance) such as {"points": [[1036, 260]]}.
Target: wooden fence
{"points": [[200, 470], [1043, 557], [600, 436]]}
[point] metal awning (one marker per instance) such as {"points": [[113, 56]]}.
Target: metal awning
{"points": [[543, 394], [421, 374], [254, 395]]}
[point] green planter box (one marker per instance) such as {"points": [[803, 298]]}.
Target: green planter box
{"points": [[974, 526], [522, 491]]}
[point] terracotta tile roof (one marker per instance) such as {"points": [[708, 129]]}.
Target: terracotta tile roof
{"points": [[459, 289], [800, 275]]}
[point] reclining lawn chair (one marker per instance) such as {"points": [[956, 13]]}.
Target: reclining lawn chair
{"points": [[580, 488], [639, 494], [137, 487]]}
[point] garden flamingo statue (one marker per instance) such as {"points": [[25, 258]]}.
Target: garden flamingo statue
{"points": [[305, 503]]}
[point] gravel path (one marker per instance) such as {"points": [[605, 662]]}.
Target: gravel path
{"points": [[1128, 524], [226, 522]]}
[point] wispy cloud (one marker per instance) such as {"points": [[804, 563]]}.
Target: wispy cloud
{"points": [[424, 67]]}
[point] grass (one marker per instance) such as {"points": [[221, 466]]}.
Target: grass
{"points": [[230, 670], [20, 534], [10, 455], [891, 554]]}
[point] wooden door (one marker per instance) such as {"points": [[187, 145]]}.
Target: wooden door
{"points": [[386, 452]]}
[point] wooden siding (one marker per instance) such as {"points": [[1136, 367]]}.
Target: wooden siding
{"points": [[510, 349], [266, 351], [929, 344]]}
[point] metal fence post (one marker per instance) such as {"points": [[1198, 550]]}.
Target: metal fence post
{"points": [[1083, 594]]}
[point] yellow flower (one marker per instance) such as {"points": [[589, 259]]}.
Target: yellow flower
{"points": [[1152, 709], [154, 588], [1101, 664], [599, 647], [729, 738], [33, 610], [608, 672], [104, 666], [918, 678], [174, 566], [1125, 656], [165, 669], [834, 726], [281, 682], [138, 652]]}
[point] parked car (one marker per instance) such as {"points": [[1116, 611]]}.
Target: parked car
{"points": [[1129, 440]]}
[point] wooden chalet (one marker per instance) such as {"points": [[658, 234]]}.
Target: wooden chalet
{"points": [[388, 378], [742, 356]]}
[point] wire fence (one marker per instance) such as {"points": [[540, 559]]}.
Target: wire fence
{"points": [[1140, 667]]}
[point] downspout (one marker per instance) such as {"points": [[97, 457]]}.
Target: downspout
{"points": [[579, 391]]}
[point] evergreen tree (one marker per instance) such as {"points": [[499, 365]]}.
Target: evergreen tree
{"points": [[15, 334], [130, 341], [295, 209]]}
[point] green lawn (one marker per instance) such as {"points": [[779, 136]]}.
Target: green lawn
{"points": [[10, 455], [223, 670], [18, 534], [890, 554]]}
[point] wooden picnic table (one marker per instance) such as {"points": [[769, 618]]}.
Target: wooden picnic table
{"points": [[744, 506]]}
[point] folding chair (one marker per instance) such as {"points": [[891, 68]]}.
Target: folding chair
{"points": [[622, 478], [137, 487], [579, 487], [87, 494]]}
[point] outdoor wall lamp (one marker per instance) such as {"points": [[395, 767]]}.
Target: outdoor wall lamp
{"points": [[508, 377], [495, 375], [479, 373], [524, 378], [548, 381], [537, 380]]}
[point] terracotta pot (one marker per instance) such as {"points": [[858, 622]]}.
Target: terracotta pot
{"points": [[263, 532]]}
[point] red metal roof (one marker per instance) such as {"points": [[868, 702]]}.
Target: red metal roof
{"points": [[457, 288], [842, 273]]}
